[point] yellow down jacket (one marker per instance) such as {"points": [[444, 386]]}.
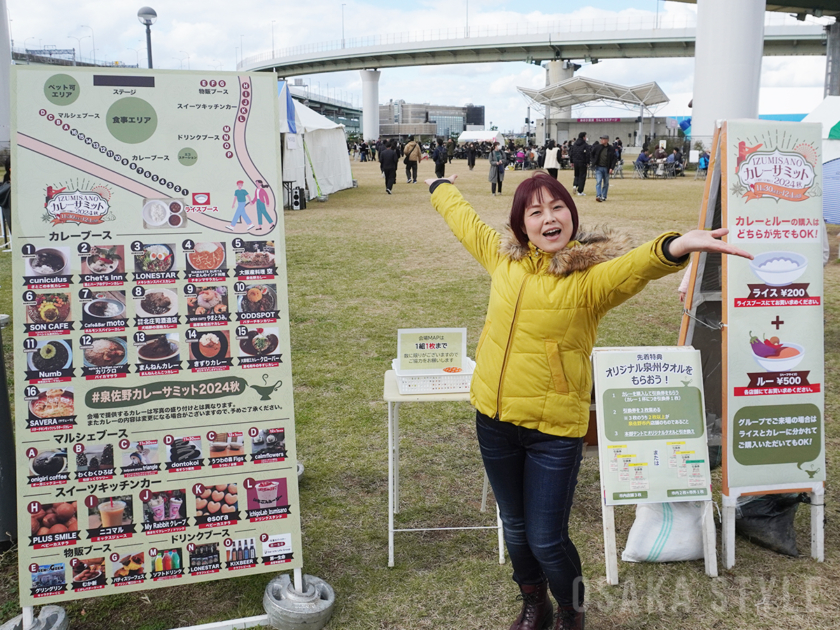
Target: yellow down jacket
{"points": [[533, 355]]}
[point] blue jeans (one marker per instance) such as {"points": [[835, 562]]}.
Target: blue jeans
{"points": [[602, 181], [533, 476], [240, 214]]}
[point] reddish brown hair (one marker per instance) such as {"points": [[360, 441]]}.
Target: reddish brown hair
{"points": [[538, 184]]}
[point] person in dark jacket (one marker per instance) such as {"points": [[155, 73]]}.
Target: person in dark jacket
{"points": [[604, 159], [450, 150], [579, 155], [471, 152], [390, 159], [439, 157]]}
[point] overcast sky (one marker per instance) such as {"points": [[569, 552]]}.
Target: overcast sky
{"points": [[208, 34]]}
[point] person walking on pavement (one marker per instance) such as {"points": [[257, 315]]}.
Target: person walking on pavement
{"points": [[579, 155], [412, 159], [604, 160], [439, 158], [389, 158]]}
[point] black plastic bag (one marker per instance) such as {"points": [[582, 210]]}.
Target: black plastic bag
{"points": [[767, 521]]}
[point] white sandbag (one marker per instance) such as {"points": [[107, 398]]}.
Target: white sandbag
{"points": [[666, 532]]}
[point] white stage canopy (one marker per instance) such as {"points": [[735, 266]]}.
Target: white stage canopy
{"points": [[580, 90]]}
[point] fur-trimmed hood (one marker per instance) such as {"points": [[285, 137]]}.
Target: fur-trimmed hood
{"points": [[587, 250]]}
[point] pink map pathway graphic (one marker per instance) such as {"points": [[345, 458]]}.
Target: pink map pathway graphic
{"points": [[240, 147]]}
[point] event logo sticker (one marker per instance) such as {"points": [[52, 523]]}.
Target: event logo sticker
{"points": [[88, 207], [776, 174]]}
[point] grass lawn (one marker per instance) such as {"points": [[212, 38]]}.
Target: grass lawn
{"points": [[364, 264]]}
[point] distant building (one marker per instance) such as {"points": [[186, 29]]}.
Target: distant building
{"points": [[401, 119]]}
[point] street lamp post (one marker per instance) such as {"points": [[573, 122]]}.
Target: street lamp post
{"points": [[188, 57], [272, 38], [137, 54], [342, 25], [147, 17], [78, 39], [92, 41]]}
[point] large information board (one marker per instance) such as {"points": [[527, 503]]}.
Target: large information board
{"points": [[651, 425], [772, 204], [154, 415]]}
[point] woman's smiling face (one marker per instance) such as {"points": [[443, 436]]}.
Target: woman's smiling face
{"points": [[548, 223]]}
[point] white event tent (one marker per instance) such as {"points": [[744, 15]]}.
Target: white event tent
{"points": [[481, 136], [828, 114], [314, 149]]}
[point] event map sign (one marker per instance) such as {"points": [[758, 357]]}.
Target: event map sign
{"points": [[651, 425], [772, 182], [154, 415]]}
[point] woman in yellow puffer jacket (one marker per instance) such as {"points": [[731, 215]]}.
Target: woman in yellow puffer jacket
{"points": [[551, 285]]}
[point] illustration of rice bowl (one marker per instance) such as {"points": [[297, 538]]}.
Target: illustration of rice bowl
{"points": [[201, 197], [155, 213], [782, 363], [778, 269]]}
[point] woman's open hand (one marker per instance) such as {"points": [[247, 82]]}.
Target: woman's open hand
{"points": [[704, 241], [432, 180]]}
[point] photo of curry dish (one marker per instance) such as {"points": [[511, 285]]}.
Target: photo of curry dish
{"points": [[53, 355], [207, 256], [155, 258], [158, 349], [47, 262], [156, 303], [260, 298], [208, 300], [49, 308], [259, 343], [106, 352], [53, 403]]}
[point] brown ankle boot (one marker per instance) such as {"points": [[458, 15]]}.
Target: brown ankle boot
{"points": [[569, 618], [537, 609]]}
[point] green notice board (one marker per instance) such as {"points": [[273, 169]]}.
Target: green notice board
{"points": [[651, 425]]}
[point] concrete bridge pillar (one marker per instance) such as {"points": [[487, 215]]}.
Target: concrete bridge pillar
{"points": [[555, 72], [727, 63], [5, 77], [832, 60], [370, 104]]}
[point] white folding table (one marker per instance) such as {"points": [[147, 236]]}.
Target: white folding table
{"points": [[394, 399]]}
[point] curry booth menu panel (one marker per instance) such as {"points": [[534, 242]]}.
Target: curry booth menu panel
{"points": [[153, 393]]}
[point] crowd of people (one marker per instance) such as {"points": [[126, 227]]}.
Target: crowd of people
{"points": [[603, 157], [661, 163]]}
